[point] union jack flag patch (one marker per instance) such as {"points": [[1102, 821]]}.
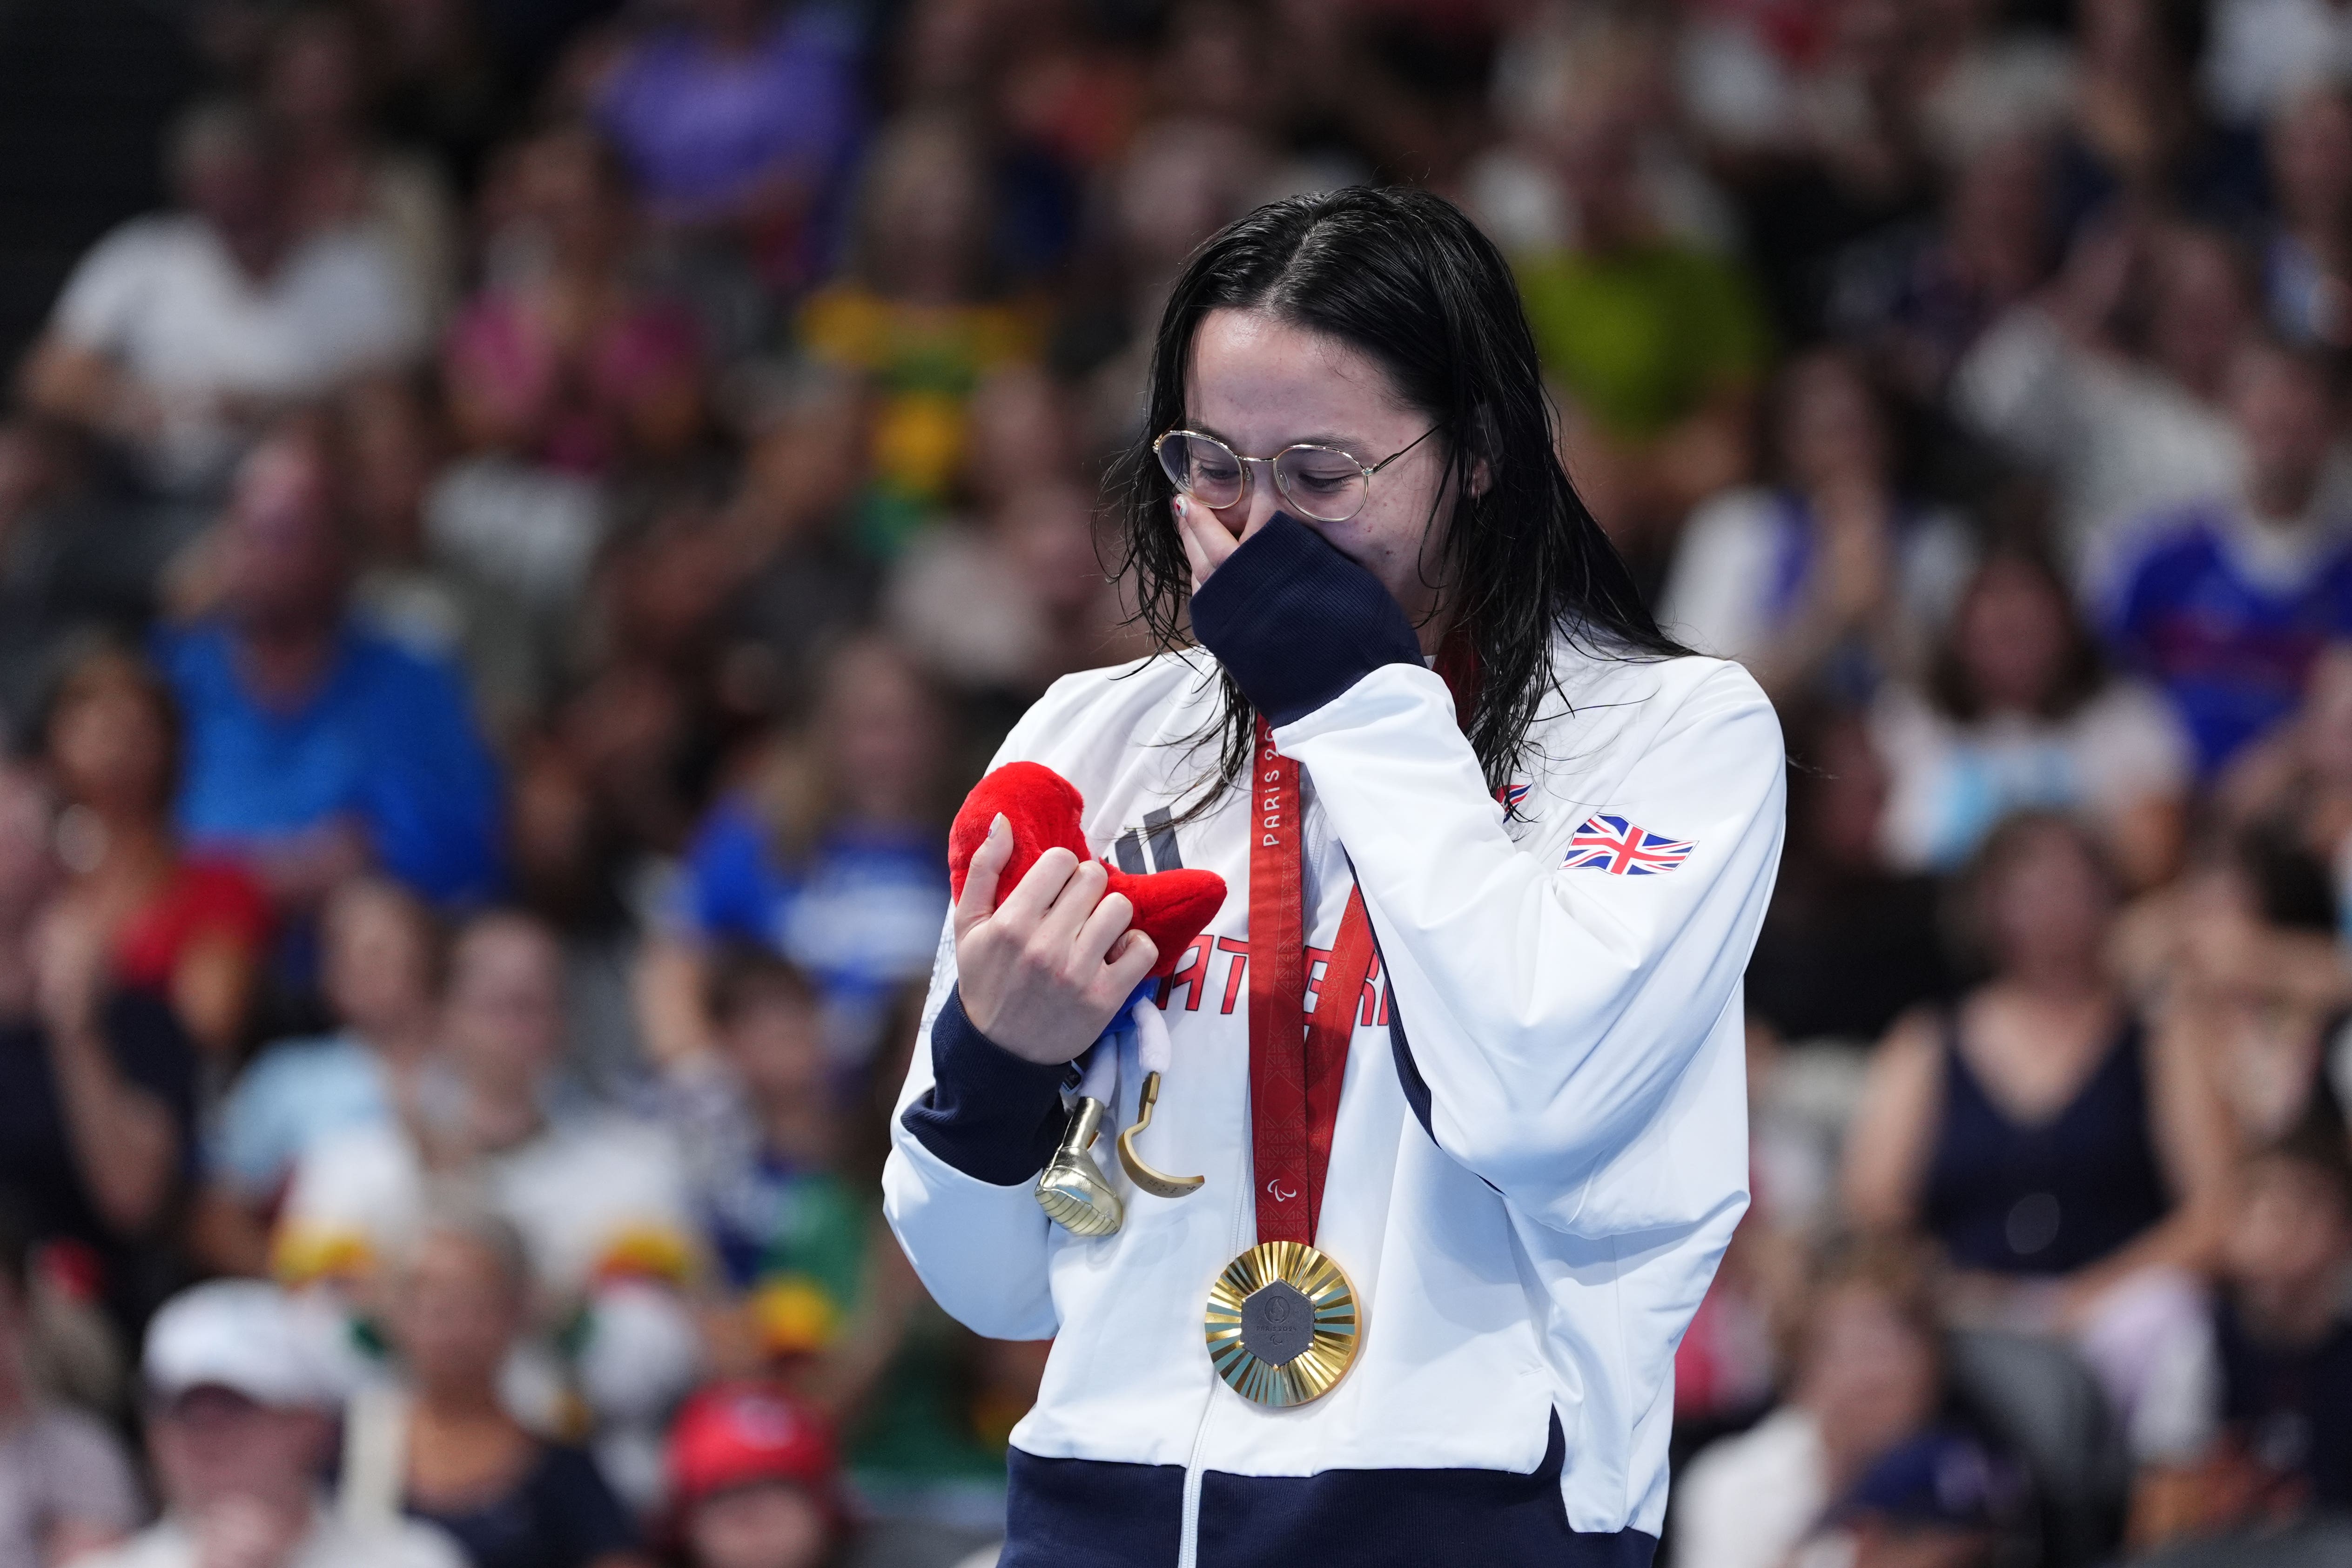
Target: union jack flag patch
{"points": [[1613, 844], [1509, 796]]}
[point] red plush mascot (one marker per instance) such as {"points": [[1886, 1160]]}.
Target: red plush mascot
{"points": [[1170, 908], [1043, 808]]}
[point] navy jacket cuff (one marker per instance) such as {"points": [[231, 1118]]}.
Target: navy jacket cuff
{"points": [[1295, 622], [990, 1114]]}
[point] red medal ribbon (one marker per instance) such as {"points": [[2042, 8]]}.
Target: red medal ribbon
{"points": [[1295, 1069]]}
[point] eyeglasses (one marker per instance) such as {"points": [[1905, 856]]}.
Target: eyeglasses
{"points": [[1324, 483]]}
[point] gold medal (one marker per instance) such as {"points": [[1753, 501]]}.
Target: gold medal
{"points": [[1282, 1324], [1284, 1321]]}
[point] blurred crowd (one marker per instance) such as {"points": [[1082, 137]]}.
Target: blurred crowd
{"points": [[503, 581]]}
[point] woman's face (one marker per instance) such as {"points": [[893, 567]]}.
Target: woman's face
{"points": [[1259, 385], [111, 748], [2048, 906], [455, 1314], [2011, 635]]}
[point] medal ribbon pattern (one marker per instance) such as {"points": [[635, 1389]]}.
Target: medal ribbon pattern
{"points": [[1297, 1064]]}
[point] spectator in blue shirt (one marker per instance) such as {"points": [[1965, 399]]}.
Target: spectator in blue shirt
{"points": [[737, 119], [379, 972], [2226, 603], [316, 747], [832, 855]]}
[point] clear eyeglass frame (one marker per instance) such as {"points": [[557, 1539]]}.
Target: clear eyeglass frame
{"points": [[1172, 464]]}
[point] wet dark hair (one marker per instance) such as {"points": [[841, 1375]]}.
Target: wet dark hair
{"points": [[1404, 276]]}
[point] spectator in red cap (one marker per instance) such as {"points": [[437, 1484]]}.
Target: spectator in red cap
{"points": [[753, 1477]]}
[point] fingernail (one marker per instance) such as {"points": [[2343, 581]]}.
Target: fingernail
{"points": [[998, 827]]}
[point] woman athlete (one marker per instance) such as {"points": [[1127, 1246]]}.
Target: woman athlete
{"points": [[1460, 1058]]}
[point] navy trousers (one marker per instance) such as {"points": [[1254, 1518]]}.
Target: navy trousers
{"points": [[1085, 1513]]}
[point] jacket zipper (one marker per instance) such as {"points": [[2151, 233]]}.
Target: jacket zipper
{"points": [[1187, 1548]]}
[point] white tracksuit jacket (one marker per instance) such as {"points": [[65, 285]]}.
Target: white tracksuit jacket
{"points": [[1534, 1172]]}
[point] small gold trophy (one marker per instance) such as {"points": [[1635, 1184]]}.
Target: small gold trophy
{"points": [[1072, 1189], [1152, 1051]]}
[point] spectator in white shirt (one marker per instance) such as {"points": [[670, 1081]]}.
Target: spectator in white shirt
{"points": [[1833, 575], [2260, 52], [182, 334], [241, 1401], [2119, 426], [596, 1194], [600, 1199], [2016, 712]]}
